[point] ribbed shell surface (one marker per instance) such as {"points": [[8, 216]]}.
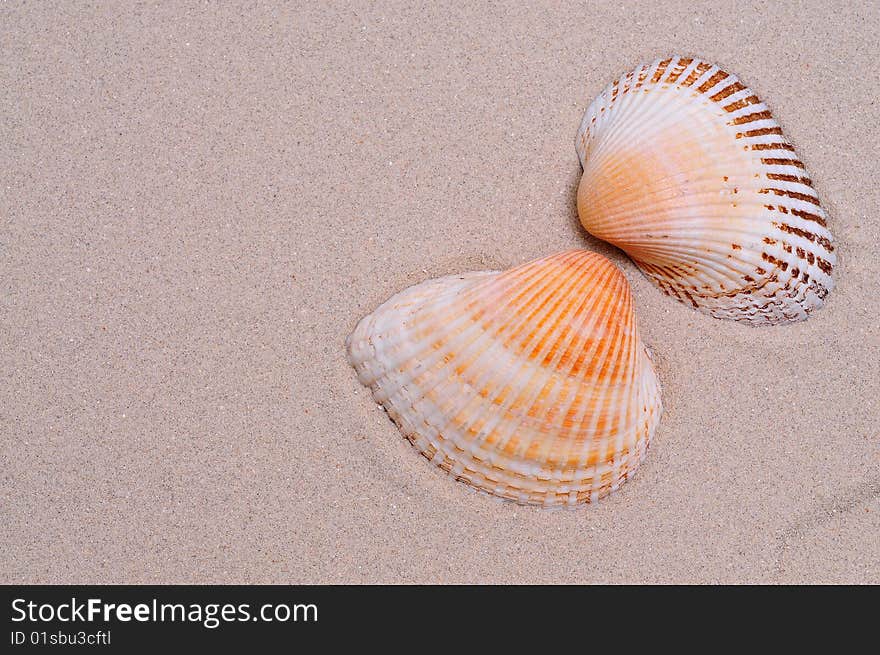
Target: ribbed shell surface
{"points": [[686, 170], [530, 384]]}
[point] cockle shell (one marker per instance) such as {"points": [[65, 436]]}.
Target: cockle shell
{"points": [[686, 170], [530, 384]]}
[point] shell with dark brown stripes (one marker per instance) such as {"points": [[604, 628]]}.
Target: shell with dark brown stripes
{"points": [[686, 170], [530, 384]]}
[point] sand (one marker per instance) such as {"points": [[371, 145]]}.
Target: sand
{"points": [[199, 202]]}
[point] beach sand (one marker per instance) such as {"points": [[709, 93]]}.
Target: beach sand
{"points": [[199, 203]]}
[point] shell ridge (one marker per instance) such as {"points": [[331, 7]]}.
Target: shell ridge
{"points": [[590, 422], [550, 446], [518, 398], [463, 318], [506, 346]]}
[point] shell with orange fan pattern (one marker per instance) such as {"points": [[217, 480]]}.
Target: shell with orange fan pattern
{"points": [[530, 384]]}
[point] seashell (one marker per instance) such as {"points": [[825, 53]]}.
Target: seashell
{"points": [[530, 384], [686, 170]]}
